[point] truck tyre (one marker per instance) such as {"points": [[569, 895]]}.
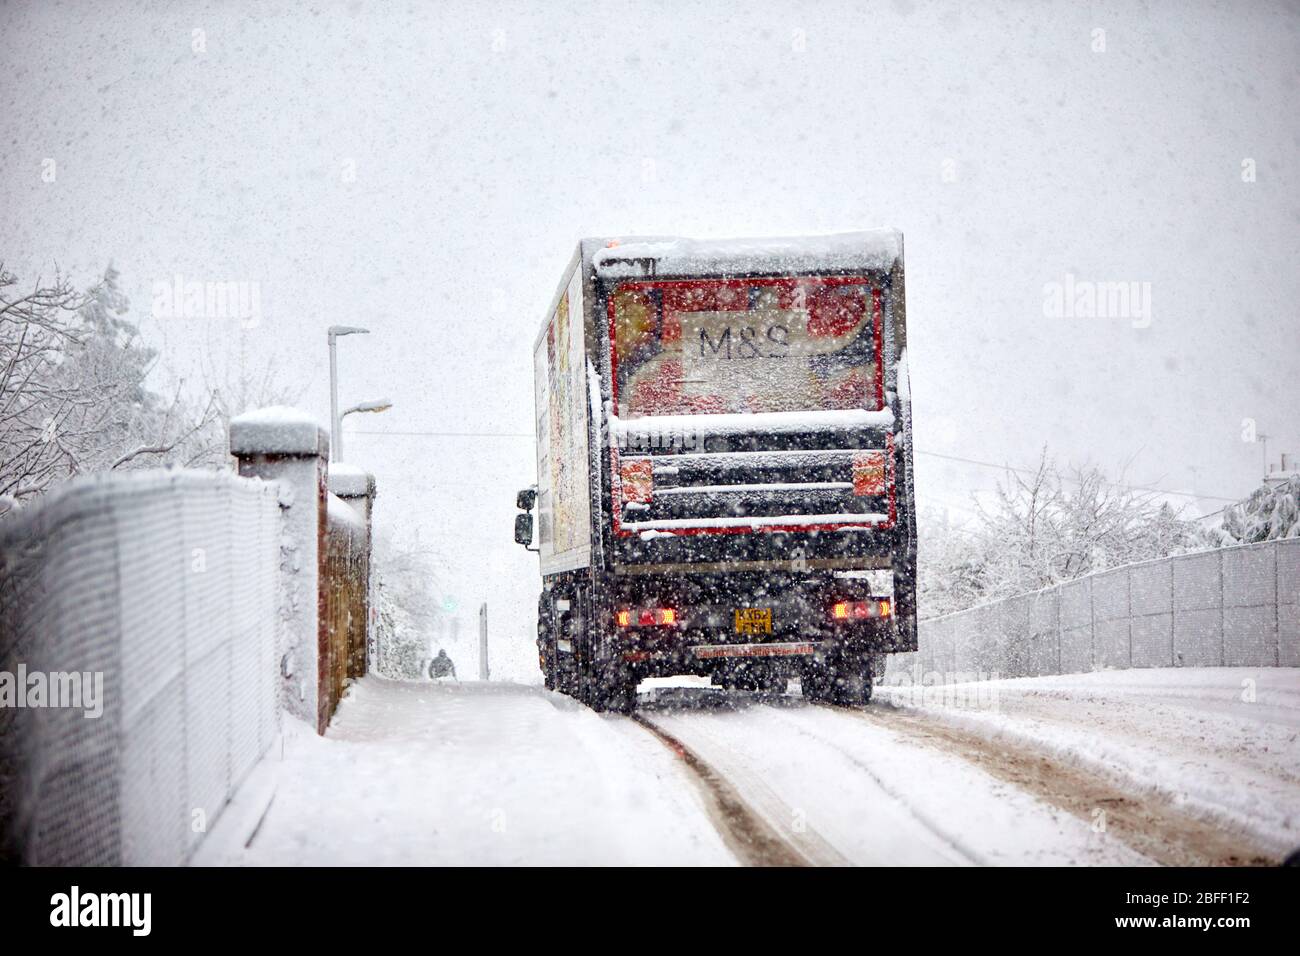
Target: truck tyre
{"points": [[567, 674], [851, 679], [813, 680], [614, 689], [545, 647]]}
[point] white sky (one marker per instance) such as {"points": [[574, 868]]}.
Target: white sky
{"points": [[487, 139]]}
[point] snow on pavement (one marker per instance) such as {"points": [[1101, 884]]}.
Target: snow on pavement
{"points": [[443, 773], [1222, 744]]}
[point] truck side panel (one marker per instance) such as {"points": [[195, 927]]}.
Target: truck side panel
{"points": [[563, 473]]}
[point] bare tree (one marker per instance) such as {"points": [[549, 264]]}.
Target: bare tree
{"points": [[37, 324], [73, 396], [1046, 526]]}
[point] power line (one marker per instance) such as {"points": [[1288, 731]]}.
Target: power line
{"points": [[930, 454], [1113, 484], [448, 434]]}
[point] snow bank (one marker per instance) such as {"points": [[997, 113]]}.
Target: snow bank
{"points": [[341, 514]]}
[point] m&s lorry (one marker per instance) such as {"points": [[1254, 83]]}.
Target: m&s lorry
{"points": [[724, 466]]}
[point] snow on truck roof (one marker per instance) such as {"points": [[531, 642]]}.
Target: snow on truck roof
{"points": [[870, 249]]}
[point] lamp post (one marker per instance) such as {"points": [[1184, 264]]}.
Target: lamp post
{"points": [[374, 405], [336, 431]]}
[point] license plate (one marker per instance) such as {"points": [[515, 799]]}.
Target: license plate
{"points": [[753, 620]]}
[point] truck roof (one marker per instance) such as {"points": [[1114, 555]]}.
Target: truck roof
{"points": [[668, 255]]}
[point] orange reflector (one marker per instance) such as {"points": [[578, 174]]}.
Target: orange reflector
{"points": [[869, 473], [637, 478]]}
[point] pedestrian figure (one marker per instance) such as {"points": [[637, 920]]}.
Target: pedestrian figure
{"points": [[441, 666]]}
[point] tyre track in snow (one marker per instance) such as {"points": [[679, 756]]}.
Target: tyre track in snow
{"points": [[938, 830], [747, 834], [843, 792], [903, 834], [1145, 822]]}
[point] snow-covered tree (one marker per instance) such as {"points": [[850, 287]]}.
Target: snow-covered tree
{"points": [[73, 392], [409, 619], [1272, 511], [1046, 526], [952, 569], [37, 323]]}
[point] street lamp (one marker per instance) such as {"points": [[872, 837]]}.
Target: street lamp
{"points": [[336, 432], [374, 405]]}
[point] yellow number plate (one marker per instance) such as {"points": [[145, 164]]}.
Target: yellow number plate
{"points": [[753, 620]]}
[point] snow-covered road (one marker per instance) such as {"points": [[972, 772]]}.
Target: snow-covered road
{"points": [[1120, 768]]}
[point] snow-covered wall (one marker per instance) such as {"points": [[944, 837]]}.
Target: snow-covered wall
{"points": [[164, 586], [1229, 607], [291, 448]]}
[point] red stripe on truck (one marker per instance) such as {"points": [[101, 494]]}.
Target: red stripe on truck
{"points": [[801, 648]]}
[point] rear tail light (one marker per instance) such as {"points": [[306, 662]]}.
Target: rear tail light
{"points": [[868, 473], [637, 478], [861, 610], [646, 617]]}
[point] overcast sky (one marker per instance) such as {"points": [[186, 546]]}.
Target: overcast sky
{"points": [[425, 170]]}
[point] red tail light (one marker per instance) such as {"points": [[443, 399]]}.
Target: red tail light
{"points": [[646, 617], [860, 610]]}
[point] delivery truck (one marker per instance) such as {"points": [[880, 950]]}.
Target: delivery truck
{"points": [[724, 466]]}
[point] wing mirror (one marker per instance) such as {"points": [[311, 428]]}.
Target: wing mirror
{"points": [[524, 529]]}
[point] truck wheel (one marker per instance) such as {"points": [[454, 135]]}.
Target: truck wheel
{"points": [[614, 689], [545, 651], [773, 683], [813, 680], [851, 676]]}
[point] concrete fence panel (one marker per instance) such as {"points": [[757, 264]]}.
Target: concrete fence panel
{"points": [[1235, 607], [1198, 610], [1288, 602]]}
